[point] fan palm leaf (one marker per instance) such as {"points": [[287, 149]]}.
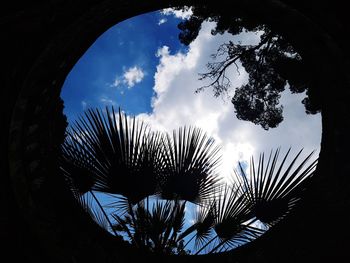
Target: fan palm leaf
{"points": [[90, 204], [119, 203], [231, 215], [202, 225], [204, 222], [160, 219], [124, 225], [231, 211], [272, 190], [246, 234], [77, 164], [177, 221], [126, 155], [190, 162], [156, 230]]}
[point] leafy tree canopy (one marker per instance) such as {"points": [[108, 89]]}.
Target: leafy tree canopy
{"points": [[271, 64]]}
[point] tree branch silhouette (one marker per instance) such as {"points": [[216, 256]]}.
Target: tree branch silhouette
{"points": [[272, 65]]}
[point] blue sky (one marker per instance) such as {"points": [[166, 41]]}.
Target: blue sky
{"points": [[131, 44]]}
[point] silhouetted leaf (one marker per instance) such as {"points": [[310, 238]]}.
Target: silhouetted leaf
{"points": [[190, 162], [273, 191], [117, 154]]}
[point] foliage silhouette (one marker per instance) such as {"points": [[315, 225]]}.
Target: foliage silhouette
{"points": [[151, 177], [273, 191], [190, 161], [122, 156], [270, 64], [155, 230]]}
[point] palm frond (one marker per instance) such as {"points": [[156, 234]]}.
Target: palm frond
{"points": [[161, 215], [178, 218], [77, 164], [246, 234], [205, 220], [100, 218], [126, 156], [142, 224], [187, 232], [119, 203], [88, 202], [231, 211], [123, 225], [190, 161], [274, 190]]}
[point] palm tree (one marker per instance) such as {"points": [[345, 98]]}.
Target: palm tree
{"points": [[152, 177], [220, 224], [115, 154]]}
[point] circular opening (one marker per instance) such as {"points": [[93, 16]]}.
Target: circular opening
{"points": [[197, 79]]}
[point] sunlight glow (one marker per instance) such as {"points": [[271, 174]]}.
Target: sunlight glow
{"points": [[231, 155]]}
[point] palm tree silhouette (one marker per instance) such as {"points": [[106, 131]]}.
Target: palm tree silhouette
{"points": [[157, 229], [153, 176]]}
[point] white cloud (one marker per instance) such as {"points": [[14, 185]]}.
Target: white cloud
{"points": [[183, 14], [133, 76], [162, 21], [116, 82], [176, 104], [130, 78], [107, 101]]}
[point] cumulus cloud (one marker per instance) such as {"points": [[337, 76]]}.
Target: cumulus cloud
{"points": [[133, 76], [175, 104], [162, 21], [116, 82], [130, 78], [183, 14]]}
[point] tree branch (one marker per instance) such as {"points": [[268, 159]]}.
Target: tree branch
{"points": [[217, 70]]}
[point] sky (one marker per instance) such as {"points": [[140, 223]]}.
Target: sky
{"points": [[118, 69], [140, 66]]}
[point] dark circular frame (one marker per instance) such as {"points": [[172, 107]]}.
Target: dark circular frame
{"points": [[30, 154]]}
